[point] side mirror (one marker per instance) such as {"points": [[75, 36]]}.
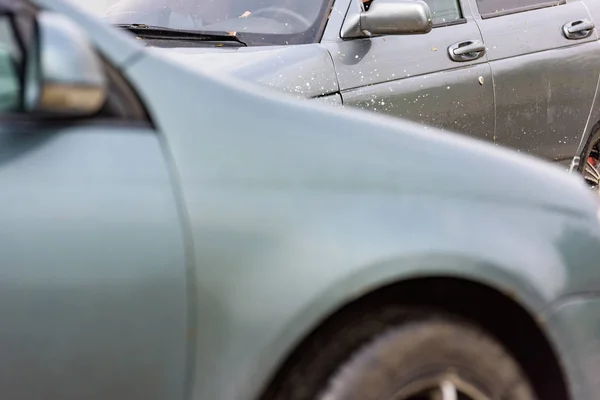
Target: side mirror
{"points": [[64, 74], [389, 17]]}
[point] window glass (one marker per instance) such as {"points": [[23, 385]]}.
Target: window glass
{"points": [[9, 67], [487, 7], [256, 22], [444, 11]]}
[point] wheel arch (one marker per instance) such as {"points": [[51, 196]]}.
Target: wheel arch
{"points": [[530, 343]]}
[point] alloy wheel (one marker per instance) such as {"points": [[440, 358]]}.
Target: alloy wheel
{"points": [[440, 388]]}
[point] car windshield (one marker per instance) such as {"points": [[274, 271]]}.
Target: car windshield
{"points": [[259, 22]]}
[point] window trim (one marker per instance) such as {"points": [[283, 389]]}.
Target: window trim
{"points": [[460, 21], [518, 10]]}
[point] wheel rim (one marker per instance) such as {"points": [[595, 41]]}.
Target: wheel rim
{"points": [[446, 387], [591, 169]]}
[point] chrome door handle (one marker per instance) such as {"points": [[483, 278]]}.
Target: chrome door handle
{"points": [[468, 50], [580, 29]]}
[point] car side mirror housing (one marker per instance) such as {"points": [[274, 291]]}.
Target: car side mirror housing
{"points": [[64, 74], [388, 17]]}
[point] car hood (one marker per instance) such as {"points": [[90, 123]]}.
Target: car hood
{"points": [[302, 70]]}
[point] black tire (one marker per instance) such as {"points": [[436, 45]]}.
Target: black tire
{"points": [[591, 149], [592, 140], [378, 354]]}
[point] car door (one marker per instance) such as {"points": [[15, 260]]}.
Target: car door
{"points": [[92, 268], [414, 77], [593, 7], [545, 61]]}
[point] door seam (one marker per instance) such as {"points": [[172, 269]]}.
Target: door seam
{"points": [[190, 264], [489, 63], [335, 73]]}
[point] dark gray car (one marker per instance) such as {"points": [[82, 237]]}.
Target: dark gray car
{"points": [[520, 73], [168, 236]]}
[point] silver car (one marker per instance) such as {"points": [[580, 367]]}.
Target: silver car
{"points": [[519, 73]]}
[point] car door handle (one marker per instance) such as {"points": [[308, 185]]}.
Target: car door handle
{"points": [[466, 51], [580, 29]]}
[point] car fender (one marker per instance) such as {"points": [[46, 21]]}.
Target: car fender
{"points": [[304, 71], [268, 277], [285, 217]]}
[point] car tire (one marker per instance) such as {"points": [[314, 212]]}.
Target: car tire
{"points": [[399, 354], [592, 149]]}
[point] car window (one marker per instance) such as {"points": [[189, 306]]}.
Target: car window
{"points": [[444, 11], [256, 22], [500, 7], [10, 59]]}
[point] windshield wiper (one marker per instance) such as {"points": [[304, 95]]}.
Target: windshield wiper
{"points": [[159, 32]]}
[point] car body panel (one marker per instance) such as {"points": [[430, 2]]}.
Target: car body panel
{"points": [[527, 32], [575, 324], [454, 100], [257, 315], [593, 123], [544, 83], [594, 119], [380, 59], [93, 291], [362, 62], [412, 77], [593, 8], [549, 118], [304, 70]]}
